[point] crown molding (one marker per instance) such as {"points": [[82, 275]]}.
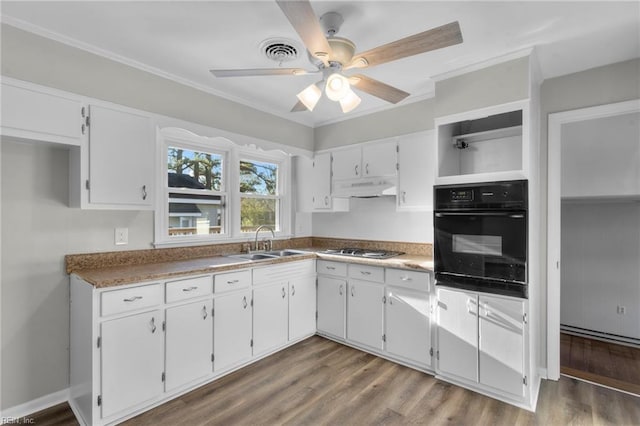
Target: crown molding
{"points": [[484, 64]]}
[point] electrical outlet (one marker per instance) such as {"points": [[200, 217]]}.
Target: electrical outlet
{"points": [[622, 310], [121, 236]]}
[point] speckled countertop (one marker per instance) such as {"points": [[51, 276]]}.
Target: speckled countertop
{"points": [[103, 275]]}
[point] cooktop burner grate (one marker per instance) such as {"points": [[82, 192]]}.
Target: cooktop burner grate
{"points": [[357, 252]]}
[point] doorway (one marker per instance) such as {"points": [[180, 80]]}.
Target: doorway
{"points": [[584, 199]]}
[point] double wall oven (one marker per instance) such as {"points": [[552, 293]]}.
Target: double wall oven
{"points": [[480, 239]]}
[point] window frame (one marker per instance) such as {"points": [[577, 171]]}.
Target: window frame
{"points": [[231, 153]]}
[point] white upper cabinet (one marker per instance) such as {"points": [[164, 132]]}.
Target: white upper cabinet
{"points": [[375, 159], [313, 185], [121, 157], [321, 181], [37, 113], [416, 171], [347, 163]]}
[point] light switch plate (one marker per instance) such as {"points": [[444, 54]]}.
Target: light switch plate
{"points": [[121, 236]]}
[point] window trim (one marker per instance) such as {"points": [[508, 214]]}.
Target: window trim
{"points": [[232, 153]]}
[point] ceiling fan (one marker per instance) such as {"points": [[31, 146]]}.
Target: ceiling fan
{"points": [[332, 55]]}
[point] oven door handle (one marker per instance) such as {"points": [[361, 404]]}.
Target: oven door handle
{"points": [[495, 214]]}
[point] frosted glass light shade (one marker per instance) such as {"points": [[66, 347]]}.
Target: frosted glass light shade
{"points": [[337, 87], [350, 101], [310, 96]]}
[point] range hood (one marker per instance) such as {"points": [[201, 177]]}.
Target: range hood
{"points": [[365, 187]]}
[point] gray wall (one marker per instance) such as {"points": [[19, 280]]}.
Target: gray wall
{"points": [[29, 57], [598, 86], [38, 229]]}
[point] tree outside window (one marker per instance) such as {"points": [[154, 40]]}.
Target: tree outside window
{"points": [[259, 195]]}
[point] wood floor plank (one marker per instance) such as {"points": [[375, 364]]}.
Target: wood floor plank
{"points": [[320, 382]]}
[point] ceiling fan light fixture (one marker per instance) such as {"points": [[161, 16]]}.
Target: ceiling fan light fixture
{"points": [[310, 96], [337, 87], [349, 102]]}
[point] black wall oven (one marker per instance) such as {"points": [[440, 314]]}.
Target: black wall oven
{"points": [[480, 238]]}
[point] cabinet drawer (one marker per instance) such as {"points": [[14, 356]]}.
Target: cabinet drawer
{"points": [[409, 279], [130, 299], [327, 267], [283, 271], [189, 288], [232, 280], [367, 273]]}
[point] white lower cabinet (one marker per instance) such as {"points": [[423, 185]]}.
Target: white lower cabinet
{"points": [[302, 307], [189, 343], [408, 325], [364, 313], [332, 303], [481, 339], [232, 329], [270, 317], [132, 361]]}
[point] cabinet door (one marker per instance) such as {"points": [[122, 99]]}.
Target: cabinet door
{"points": [[231, 329], [364, 313], [408, 325], [347, 163], [302, 307], [416, 170], [46, 115], [121, 157], [321, 185], [332, 306], [132, 361], [457, 334], [189, 343], [270, 317], [501, 344], [379, 159]]}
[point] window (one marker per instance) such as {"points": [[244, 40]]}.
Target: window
{"points": [[195, 198], [212, 189], [259, 195]]}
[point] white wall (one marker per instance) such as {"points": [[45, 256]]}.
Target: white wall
{"points": [[38, 229], [375, 219]]}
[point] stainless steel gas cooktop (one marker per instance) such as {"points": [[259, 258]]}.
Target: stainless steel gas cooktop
{"points": [[356, 252]]}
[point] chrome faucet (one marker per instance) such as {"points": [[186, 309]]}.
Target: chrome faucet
{"points": [[270, 242]]}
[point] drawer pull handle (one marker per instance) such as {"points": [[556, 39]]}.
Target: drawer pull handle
{"points": [[406, 279], [331, 268], [204, 312], [190, 288], [153, 325], [365, 272], [233, 282], [133, 299], [244, 302]]}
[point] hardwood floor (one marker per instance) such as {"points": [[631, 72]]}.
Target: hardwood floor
{"points": [[601, 362], [322, 382]]}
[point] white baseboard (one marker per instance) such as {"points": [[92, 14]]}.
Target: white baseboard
{"points": [[36, 405]]}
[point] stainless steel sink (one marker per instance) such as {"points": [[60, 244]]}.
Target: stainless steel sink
{"points": [[266, 255], [282, 253], [253, 256]]}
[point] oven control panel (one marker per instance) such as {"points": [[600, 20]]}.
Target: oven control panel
{"points": [[507, 195], [458, 195]]}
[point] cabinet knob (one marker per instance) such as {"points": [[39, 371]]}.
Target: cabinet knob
{"points": [[404, 197], [293, 290], [356, 169], [340, 289], [244, 302], [326, 200], [284, 293], [204, 312], [144, 192], [153, 324], [366, 169], [352, 295]]}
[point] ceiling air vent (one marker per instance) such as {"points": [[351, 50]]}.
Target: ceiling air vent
{"points": [[280, 49]]}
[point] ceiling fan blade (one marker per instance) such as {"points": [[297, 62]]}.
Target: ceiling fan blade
{"points": [[435, 38], [377, 88], [259, 72], [299, 107], [301, 16]]}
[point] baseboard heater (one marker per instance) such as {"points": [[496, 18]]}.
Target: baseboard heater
{"points": [[614, 338]]}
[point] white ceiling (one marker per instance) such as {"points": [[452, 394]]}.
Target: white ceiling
{"points": [[183, 40]]}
